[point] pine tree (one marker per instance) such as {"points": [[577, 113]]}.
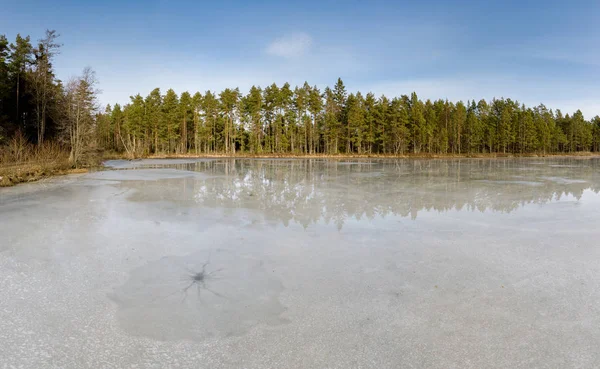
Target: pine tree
{"points": [[271, 103], [186, 116], [529, 142], [417, 123], [301, 105], [331, 123], [171, 118], [503, 117], [153, 103], [339, 108], [103, 128], [253, 105], [315, 106], [285, 130], [198, 127], [380, 122], [459, 117], [21, 57], [134, 125], [43, 79], [116, 122], [4, 86], [370, 121], [583, 132], [476, 129], [428, 129], [442, 112], [356, 122], [210, 106], [398, 118], [229, 102], [596, 134]]}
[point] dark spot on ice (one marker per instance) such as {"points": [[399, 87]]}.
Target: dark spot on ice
{"points": [[223, 293]]}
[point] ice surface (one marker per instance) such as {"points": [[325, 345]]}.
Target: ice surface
{"points": [[240, 263]]}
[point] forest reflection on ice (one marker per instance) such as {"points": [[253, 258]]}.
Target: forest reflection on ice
{"points": [[309, 191]]}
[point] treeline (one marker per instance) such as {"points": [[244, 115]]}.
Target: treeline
{"points": [[305, 120], [38, 109]]}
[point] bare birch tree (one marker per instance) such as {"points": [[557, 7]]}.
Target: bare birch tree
{"points": [[81, 107]]}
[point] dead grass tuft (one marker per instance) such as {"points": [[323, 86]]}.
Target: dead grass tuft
{"points": [[21, 161]]}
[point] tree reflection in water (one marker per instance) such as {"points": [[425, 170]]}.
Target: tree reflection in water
{"points": [[312, 190]]}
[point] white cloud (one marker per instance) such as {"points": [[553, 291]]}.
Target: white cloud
{"points": [[290, 46]]}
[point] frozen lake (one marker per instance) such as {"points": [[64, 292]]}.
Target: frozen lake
{"points": [[277, 263]]}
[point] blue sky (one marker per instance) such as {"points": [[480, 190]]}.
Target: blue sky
{"points": [[530, 50]]}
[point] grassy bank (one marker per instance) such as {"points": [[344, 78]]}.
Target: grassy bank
{"points": [[30, 172], [22, 162]]}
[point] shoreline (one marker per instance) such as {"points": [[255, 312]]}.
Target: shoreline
{"points": [[365, 156], [27, 173], [14, 174]]}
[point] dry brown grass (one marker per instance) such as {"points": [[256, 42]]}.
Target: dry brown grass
{"points": [[113, 155], [21, 161]]}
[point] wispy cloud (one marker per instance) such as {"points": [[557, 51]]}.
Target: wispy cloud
{"points": [[290, 46]]}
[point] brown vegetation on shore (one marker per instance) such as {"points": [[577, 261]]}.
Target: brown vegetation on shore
{"points": [[21, 161]]}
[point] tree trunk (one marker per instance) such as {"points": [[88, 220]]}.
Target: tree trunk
{"points": [[18, 98]]}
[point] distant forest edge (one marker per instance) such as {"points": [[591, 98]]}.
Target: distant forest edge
{"points": [[38, 109]]}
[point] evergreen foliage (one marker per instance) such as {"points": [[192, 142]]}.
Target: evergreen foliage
{"points": [[277, 119]]}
